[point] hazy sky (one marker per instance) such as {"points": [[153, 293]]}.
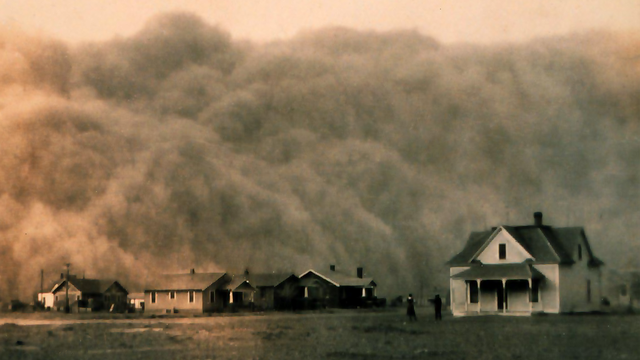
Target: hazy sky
{"points": [[178, 146], [448, 21]]}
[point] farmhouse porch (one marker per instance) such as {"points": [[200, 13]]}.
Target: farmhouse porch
{"points": [[504, 289]]}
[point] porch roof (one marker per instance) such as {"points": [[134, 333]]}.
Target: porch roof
{"points": [[520, 271], [239, 284]]}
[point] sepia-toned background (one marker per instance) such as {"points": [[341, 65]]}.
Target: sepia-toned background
{"points": [[160, 136]]}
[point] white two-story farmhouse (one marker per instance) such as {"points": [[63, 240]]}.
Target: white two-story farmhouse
{"points": [[519, 270]]}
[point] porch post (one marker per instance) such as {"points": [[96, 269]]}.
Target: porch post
{"points": [[531, 295], [504, 296], [230, 296], [479, 295], [466, 303]]}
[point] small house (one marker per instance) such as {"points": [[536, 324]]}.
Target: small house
{"points": [[337, 289], [192, 292], [275, 291], [90, 295], [136, 302], [240, 292]]}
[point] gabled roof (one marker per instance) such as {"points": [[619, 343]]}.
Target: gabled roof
{"points": [[569, 237], [545, 243], [239, 283], [269, 280], [52, 285], [474, 243], [521, 271], [88, 286], [106, 284], [197, 281], [534, 240], [340, 279], [85, 286]]}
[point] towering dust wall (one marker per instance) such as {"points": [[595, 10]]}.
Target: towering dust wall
{"points": [[179, 147]]}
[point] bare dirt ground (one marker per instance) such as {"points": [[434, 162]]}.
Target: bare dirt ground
{"points": [[330, 335]]}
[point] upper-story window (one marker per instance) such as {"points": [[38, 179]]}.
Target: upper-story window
{"points": [[502, 251], [579, 252]]}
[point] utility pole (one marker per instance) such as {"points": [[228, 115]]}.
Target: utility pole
{"points": [[42, 286], [66, 307]]}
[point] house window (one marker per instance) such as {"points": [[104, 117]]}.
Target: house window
{"points": [[107, 298], [502, 251], [473, 292], [192, 296], [589, 291], [56, 297], [535, 291], [172, 295], [212, 296], [153, 297], [77, 297], [623, 290], [579, 252]]}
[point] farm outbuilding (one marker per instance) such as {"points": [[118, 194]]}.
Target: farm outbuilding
{"points": [[622, 290]]}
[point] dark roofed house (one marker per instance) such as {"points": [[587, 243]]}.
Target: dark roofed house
{"points": [[90, 295], [240, 292], [337, 289], [525, 269], [274, 291], [114, 296]]}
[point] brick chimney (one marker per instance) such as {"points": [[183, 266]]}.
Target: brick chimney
{"points": [[537, 218], [360, 272], [332, 267]]}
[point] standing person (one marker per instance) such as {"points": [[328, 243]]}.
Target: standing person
{"points": [[437, 302], [411, 311]]}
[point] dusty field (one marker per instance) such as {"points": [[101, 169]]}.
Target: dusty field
{"points": [[337, 335]]}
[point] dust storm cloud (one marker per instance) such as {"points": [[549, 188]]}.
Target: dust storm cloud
{"points": [[179, 147]]}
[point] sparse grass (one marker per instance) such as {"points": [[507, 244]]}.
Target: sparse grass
{"points": [[336, 335]]}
